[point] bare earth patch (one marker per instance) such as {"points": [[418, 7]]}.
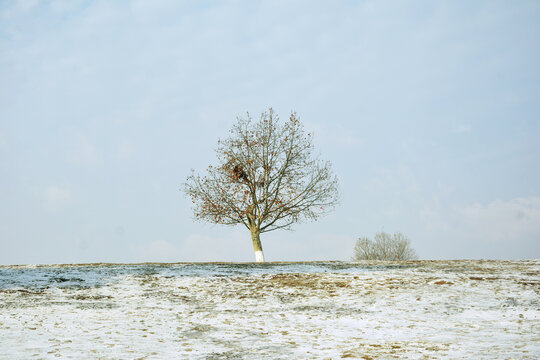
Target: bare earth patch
{"points": [[368, 310]]}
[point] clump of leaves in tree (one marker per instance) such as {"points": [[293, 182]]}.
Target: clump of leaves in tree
{"points": [[267, 177], [384, 247]]}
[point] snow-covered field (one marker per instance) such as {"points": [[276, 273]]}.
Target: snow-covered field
{"points": [[323, 310]]}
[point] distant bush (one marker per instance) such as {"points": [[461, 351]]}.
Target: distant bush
{"points": [[384, 247]]}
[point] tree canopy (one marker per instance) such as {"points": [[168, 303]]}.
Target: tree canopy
{"points": [[267, 177], [384, 247]]}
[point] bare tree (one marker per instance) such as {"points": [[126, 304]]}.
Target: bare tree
{"points": [[384, 247], [267, 178]]}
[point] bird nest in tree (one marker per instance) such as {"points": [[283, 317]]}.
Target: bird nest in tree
{"points": [[238, 173]]}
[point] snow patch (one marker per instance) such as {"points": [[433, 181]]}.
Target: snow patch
{"points": [[410, 310]]}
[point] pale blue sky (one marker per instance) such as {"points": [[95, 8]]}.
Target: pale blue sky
{"points": [[429, 112]]}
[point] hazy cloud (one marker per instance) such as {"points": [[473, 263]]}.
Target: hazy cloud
{"points": [[86, 153], [159, 251], [3, 142], [125, 150], [463, 128], [333, 135], [56, 197], [513, 221], [232, 245], [500, 229]]}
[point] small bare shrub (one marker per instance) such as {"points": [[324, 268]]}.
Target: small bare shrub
{"points": [[384, 247]]}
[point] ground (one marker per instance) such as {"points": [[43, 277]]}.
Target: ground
{"points": [[326, 310]]}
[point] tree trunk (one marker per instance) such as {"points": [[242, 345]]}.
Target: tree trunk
{"points": [[255, 237]]}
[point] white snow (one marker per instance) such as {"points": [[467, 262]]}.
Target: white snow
{"points": [[412, 310]]}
